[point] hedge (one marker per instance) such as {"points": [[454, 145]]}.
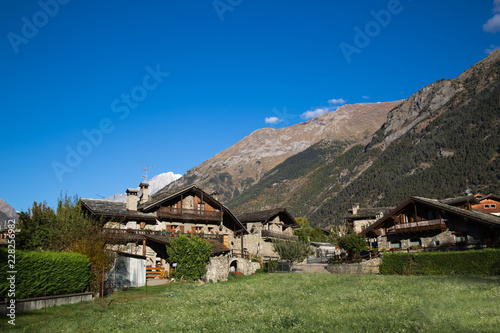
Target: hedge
{"points": [[473, 262], [49, 273]]}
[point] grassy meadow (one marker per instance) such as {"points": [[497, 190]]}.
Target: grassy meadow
{"points": [[287, 302]]}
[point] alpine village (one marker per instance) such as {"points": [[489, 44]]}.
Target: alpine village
{"points": [[410, 187]]}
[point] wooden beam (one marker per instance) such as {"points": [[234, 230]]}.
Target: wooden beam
{"points": [[241, 245]]}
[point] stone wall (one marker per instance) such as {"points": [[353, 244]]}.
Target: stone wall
{"points": [[246, 267], [426, 240], [217, 269], [365, 267]]}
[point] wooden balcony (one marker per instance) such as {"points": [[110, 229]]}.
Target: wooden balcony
{"points": [[272, 234], [436, 224], [118, 235], [188, 214]]}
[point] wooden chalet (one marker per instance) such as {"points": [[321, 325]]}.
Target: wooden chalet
{"points": [[422, 222], [145, 224], [489, 204]]}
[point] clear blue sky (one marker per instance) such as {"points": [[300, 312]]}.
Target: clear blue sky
{"points": [[101, 66]]}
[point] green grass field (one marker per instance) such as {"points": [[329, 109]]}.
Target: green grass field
{"points": [[286, 302]]}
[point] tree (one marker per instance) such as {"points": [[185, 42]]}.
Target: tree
{"points": [[191, 254], [353, 243], [302, 234], [317, 235], [307, 233], [67, 229], [290, 250]]}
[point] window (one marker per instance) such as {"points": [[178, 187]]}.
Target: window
{"points": [[201, 206], [493, 206], [461, 238], [395, 245], [486, 206], [198, 230], [415, 242], [210, 230]]}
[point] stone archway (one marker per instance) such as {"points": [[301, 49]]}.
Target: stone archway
{"points": [[233, 266]]}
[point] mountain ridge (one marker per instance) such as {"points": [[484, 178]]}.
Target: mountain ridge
{"points": [[440, 141], [246, 162]]}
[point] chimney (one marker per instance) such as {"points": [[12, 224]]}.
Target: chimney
{"points": [[215, 195], [144, 186], [132, 199], [355, 208]]}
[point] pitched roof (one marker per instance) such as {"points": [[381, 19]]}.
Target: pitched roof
{"points": [[460, 200], [265, 216], [489, 196], [146, 210], [113, 208], [364, 213], [474, 215], [158, 198]]}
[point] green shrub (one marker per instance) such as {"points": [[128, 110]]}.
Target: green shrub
{"points": [[50, 273], [191, 255], [290, 250], [353, 243], [474, 262], [272, 265]]}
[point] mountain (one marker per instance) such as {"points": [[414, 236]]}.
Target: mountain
{"points": [[155, 184], [7, 212], [245, 163], [439, 142]]}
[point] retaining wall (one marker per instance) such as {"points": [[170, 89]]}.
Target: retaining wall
{"points": [[30, 304], [365, 267]]}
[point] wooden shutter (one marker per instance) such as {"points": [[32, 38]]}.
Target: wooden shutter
{"points": [[181, 228]]}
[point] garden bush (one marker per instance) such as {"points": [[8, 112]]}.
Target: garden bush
{"points": [[49, 273], [473, 262], [191, 254]]}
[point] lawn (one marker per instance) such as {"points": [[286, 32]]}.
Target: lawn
{"points": [[282, 302]]}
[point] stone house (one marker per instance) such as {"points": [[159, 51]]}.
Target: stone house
{"points": [[422, 222], [361, 218], [145, 224], [263, 227]]}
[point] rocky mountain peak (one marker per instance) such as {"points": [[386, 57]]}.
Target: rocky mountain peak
{"points": [[239, 166]]}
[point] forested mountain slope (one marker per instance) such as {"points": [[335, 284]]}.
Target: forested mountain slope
{"points": [[437, 143]]}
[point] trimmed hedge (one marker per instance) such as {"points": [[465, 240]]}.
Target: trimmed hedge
{"points": [[54, 273], [473, 262]]}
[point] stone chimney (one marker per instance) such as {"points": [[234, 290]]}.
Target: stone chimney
{"points": [[215, 195], [144, 186], [355, 209], [132, 199]]}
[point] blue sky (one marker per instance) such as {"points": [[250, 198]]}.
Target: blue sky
{"points": [[92, 91]]}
